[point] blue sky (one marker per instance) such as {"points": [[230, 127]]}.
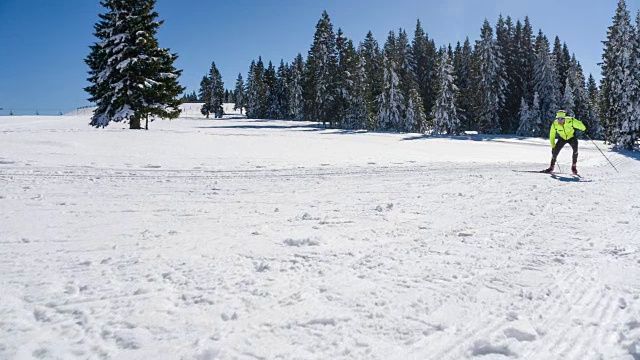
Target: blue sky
{"points": [[43, 43]]}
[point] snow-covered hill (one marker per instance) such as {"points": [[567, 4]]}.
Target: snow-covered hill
{"points": [[188, 110], [244, 239]]}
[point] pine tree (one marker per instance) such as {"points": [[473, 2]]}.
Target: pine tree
{"points": [[131, 77], [525, 120], [517, 87], [374, 68], [462, 62], [282, 84], [567, 102], [347, 67], [527, 55], [545, 81], [407, 81], [206, 94], [491, 84], [562, 60], [535, 114], [251, 92], [270, 83], [620, 81], [391, 101], [239, 94], [322, 64], [358, 113], [578, 84], [425, 60], [256, 91], [445, 113], [213, 104], [296, 95], [509, 107], [594, 126]]}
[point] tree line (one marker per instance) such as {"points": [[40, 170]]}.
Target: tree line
{"points": [[509, 81]]}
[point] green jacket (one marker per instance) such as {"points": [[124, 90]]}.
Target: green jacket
{"points": [[565, 131]]}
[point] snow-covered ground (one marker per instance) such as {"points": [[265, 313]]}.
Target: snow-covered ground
{"points": [[251, 239]]}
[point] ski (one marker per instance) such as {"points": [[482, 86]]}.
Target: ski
{"points": [[533, 171]]}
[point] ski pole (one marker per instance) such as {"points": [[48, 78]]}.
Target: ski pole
{"points": [[605, 156]]}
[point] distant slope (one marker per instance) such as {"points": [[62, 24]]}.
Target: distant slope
{"points": [[190, 110]]}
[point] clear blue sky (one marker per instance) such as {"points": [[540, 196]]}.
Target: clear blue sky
{"points": [[43, 43]]}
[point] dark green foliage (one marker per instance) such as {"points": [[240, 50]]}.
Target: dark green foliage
{"points": [[131, 77]]}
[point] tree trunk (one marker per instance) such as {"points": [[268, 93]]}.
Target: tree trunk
{"points": [[134, 123], [146, 124]]}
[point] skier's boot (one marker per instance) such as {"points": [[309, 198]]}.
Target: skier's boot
{"points": [[548, 171], [574, 170]]}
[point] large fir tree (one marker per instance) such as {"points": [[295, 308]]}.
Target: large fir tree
{"points": [[391, 100], [358, 114], [545, 80], [374, 69], [322, 65], [462, 63], [270, 82], [425, 60], [490, 82], [212, 89], [131, 77], [296, 92], [445, 112], [239, 94], [620, 80], [205, 96], [594, 125]]}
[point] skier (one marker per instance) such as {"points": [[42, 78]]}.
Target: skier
{"points": [[565, 127]]}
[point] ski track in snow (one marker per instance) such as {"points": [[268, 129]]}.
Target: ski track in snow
{"points": [[168, 255]]}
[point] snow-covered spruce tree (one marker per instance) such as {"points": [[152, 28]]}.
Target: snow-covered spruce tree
{"points": [[536, 112], [563, 63], [391, 101], [214, 96], [347, 65], [527, 55], [415, 112], [358, 107], [619, 81], [525, 119], [567, 102], [593, 114], [296, 99], [256, 91], [239, 94], [271, 94], [546, 85], [131, 77], [425, 62], [413, 120], [462, 63], [374, 67], [445, 113], [490, 82], [580, 95], [282, 84], [322, 64], [251, 103], [511, 101], [206, 94]]}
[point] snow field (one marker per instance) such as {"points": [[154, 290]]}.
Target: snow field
{"points": [[244, 239]]}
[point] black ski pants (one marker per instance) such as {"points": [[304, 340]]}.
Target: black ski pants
{"points": [[560, 144]]}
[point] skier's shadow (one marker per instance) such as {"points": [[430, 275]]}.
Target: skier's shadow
{"points": [[567, 178]]}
